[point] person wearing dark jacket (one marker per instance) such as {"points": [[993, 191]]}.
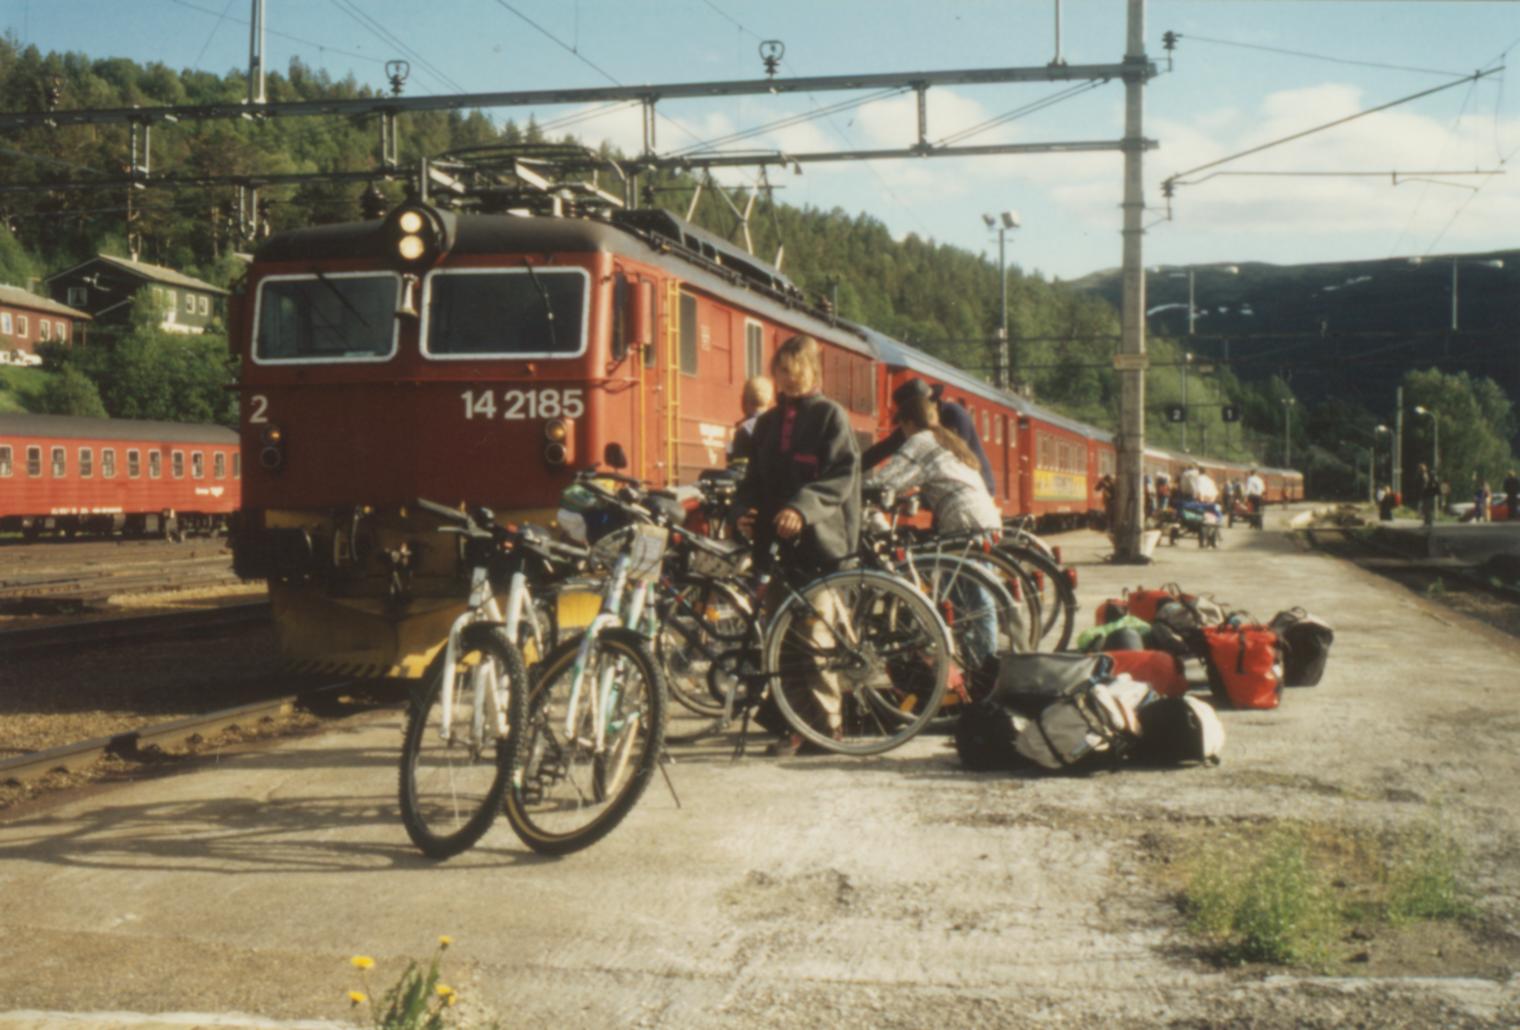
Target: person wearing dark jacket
{"points": [[951, 415], [802, 487], [1512, 495]]}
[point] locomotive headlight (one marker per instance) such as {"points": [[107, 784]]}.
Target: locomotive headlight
{"points": [[411, 248], [272, 436], [272, 454], [410, 222], [559, 445]]}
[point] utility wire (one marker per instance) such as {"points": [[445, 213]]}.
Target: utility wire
{"points": [[211, 35], [1019, 112], [386, 36], [1318, 57], [323, 47]]}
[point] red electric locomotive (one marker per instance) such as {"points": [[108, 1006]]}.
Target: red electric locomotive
{"points": [[95, 475]]}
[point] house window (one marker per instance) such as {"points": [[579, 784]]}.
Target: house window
{"points": [[754, 349], [155, 464], [86, 463], [58, 332], [219, 465], [44, 329], [177, 464], [205, 305], [190, 302], [34, 461], [23, 327], [5, 462], [79, 296], [60, 463], [197, 465], [108, 462], [134, 464], [7, 327]]}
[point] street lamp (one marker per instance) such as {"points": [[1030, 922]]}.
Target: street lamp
{"points": [[1455, 263], [1187, 359], [1435, 436], [1372, 484], [1002, 223], [1287, 403]]}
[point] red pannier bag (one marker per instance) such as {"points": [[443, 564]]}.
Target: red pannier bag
{"points": [[1143, 603], [1111, 610], [1243, 665], [1159, 670]]}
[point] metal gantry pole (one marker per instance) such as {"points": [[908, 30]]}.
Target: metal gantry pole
{"points": [[1398, 443], [1131, 359], [1005, 372], [256, 54]]}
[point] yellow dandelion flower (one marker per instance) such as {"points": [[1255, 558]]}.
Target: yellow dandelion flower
{"points": [[445, 941], [357, 997], [444, 989], [362, 962]]}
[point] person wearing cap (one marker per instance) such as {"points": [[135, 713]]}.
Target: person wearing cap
{"points": [[951, 415]]}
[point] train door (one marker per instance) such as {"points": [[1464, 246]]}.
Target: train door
{"points": [[1024, 461]]}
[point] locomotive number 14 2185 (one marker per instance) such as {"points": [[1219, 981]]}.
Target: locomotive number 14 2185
{"points": [[524, 404]]}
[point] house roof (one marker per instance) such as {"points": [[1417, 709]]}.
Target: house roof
{"points": [[15, 296], [156, 273]]}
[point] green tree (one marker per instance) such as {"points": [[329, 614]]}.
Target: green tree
{"points": [[1476, 420], [71, 392]]}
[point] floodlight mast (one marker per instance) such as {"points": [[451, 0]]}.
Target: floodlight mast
{"points": [[1128, 537]]}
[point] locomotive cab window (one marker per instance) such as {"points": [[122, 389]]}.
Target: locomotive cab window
{"points": [[155, 464], [86, 463], [689, 330], [329, 318], [60, 463], [528, 312], [34, 462], [5, 463], [754, 349], [108, 462], [134, 464]]}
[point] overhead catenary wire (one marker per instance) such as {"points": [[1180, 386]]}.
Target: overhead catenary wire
{"points": [[378, 30], [323, 47], [1318, 57]]}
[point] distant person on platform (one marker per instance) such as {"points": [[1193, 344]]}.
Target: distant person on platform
{"points": [[1511, 494], [951, 415], [1205, 491], [758, 395], [1481, 497], [1428, 490]]}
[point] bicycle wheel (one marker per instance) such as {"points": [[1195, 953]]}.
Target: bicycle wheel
{"points": [[981, 613], [860, 654], [568, 793], [453, 777], [700, 619], [1058, 598], [1027, 590]]}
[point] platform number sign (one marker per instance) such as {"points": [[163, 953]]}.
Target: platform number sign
{"points": [[1230, 413], [1176, 413]]}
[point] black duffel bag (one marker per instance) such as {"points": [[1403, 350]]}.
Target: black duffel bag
{"points": [[1306, 641]]}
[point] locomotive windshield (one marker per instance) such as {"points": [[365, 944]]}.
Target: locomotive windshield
{"points": [[327, 317], [522, 312]]}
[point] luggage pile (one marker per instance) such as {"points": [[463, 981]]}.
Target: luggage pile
{"points": [[1124, 696]]}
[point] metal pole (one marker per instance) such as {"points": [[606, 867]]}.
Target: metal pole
{"points": [[1398, 443], [1287, 438], [1191, 308], [256, 54], [1005, 371], [1453, 294], [1435, 441], [1372, 473], [1187, 359], [1127, 539]]}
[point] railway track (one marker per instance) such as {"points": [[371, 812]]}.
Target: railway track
{"points": [[55, 637], [46, 578], [1366, 550]]}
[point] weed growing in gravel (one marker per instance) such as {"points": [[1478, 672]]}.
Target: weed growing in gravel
{"points": [[417, 1001], [1436, 588], [1287, 902]]}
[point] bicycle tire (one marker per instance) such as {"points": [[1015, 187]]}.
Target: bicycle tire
{"points": [[1060, 616], [693, 632], [898, 661], [450, 791], [1025, 585], [940, 576], [564, 796]]}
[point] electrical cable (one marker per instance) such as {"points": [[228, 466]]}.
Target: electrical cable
{"points": [[378, 30], [323, 47], [1319, 57], [211, 35]]}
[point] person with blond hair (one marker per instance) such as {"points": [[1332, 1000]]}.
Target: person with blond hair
{"points": [[757, 397]]}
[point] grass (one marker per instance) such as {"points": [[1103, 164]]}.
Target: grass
{"points": [[20, 388], [1286, 898]]}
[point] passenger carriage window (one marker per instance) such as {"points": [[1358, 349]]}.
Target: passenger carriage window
{"points": [[60, 463], [155, 464], [515, 312], [754, 349], [688, 334], [197, 465], [86, 463], [34, 462], [986, 428], [5, 462], [219, 465], [177, 464], [108, 462], [338, 317], [134, 464]]}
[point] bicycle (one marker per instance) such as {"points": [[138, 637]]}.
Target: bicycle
{"points": [[462, 734], [595, 723]]}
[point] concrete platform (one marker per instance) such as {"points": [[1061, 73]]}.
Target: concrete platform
{"points": [[897, 891]]}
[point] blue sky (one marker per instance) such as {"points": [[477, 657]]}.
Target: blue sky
{"points": [[1225, 93]]}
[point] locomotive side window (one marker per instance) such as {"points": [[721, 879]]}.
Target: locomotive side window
{"points": [[108, 462], [5, 462], [336, 317], [155, 464], [622, 318], [219, 465], [688, 334], [197, 465], [237, 466], [508, 312], [34, 462], [177, 464], [60, 463], [86, 463], [754, 349], [134, 463]]}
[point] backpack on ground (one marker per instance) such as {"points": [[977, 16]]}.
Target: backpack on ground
{"points": [[1178, 730], [1087, 727], [1096, 639], [1026, 685], [1243, 664], [1306, 641], [1162, 671], [1143, 603]]}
